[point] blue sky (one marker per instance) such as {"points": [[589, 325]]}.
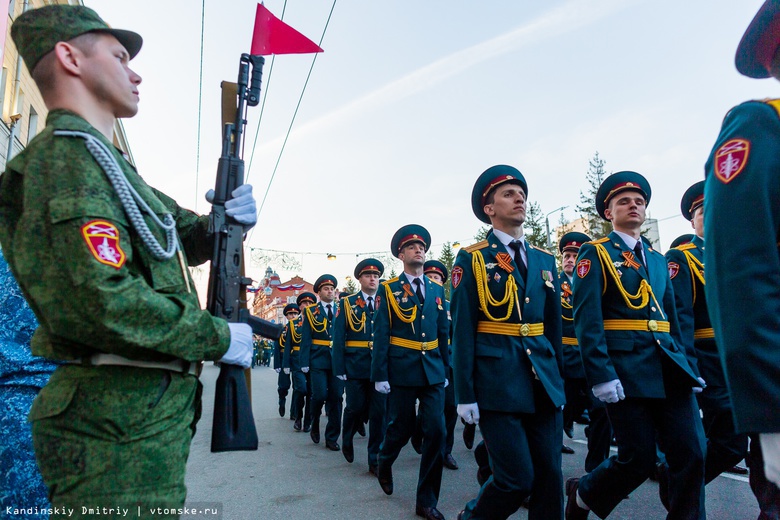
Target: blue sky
{"points": [[412, 100]]}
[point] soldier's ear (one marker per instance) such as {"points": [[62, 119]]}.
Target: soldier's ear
{"points": [[608, 214], [69, 57]]}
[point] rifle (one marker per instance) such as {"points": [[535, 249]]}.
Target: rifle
{"points": [[233, 428]]}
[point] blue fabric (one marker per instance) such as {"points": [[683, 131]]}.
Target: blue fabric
{"points": [[21, 377]]}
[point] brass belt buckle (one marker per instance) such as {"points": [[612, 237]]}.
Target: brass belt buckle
{"points": [[424, 345], [370, 344], [525, 329], [652, 325]]}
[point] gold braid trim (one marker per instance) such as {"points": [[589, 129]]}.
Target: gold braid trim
{"points": [[411, 313], [296, 336], [697, 271], [352, 320], [645, 290], [565, 304], [314, 323], [486, 299]]}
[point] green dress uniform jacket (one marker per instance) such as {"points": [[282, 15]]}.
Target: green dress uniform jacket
{"points": [[353, 337], [317, 337], [292, 344], [572, 360], [140, 309], [742, 232], [401, 318], [493, 366], [633, 356]]}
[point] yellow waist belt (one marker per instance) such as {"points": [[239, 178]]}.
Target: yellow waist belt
{"points": [[511, 329], [322, 342], [296, 349], [414, 345], [638, 325], [569, 341], [359, 344], [703, 333]]}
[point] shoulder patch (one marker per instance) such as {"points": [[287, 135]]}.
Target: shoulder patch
{"points": [[583, 268], [456, 276], [674, 268], [391, 280], [436, 282], [542, 250], [102, 238], [685, 247], [731, 159], [774, 103], [599, 240], [475, 247]]}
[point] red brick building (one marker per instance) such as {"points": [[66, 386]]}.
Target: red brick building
{"points": [[273, 295]]}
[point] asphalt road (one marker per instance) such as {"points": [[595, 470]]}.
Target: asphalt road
{"points": [[289, 477]]}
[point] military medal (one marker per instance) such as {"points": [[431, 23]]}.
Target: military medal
{"points": [[491, 265], [630, 261], [497, 277], [548, 278], [505, 262]]}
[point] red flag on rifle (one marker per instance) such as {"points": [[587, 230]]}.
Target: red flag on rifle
{"points": [[273, 36]]}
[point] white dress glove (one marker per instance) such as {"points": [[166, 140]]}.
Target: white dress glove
{"points": [[383, 387], [305, 370], [342, 377], [469, 413], [286, 370], [278, 370], [770, 446], [609, 392], [446, 382], [241, 207], [702, 385], [240, 351]]}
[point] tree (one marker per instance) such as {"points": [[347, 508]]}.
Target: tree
{"points": [[351, 286], [564, 227], [597, 227], [534, 228], [482, 233], [447, 257]]}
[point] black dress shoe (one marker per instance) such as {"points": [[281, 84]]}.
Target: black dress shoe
{"points": [[349, 452], [738, 470], [315, 436], [385, 477], [462, 515], [307, 428], [569, 431], [566, 449], [468, 435], [429, 513], [662, 474], [281, 407], [372, 469], [449, 462], [583, 419], [361, 429], [573, 511], [332, 445], [526, 502], [297, 425]]}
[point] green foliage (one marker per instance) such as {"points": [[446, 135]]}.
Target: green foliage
{"points": [[534, 228], [351, 286], [482, 233], [597, 227], [447, 257]]}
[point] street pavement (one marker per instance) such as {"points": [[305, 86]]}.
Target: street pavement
{"points": [[290, 477]]}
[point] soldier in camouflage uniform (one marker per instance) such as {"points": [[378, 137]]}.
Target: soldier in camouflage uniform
{"points": [[102, 258]]}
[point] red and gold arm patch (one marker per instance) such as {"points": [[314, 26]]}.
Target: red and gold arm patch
{"points": [[730, 159], [583, 268], [456, 276], [674, 268], [102, 239]]}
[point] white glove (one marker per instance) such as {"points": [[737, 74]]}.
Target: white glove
{"points": [[446, 382], [342, 377], [383, 387], [305, 370], [469, 413], [240, 351], [241, 207], [278, 370], [702, 385], [609, 392], [286, 370], [770, 446]]}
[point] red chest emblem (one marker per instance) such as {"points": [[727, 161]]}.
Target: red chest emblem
{"points": [[674, 268], [456, 276], [583, 268], [102, 238], [730, 159]]}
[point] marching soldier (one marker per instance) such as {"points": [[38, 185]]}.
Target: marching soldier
{"points": [[574, 384], [635, 362], [410, 362], [292, 365], [108, 283], [353, 343], [743, 264], [316, 344], [506, 312], [290, 312]]}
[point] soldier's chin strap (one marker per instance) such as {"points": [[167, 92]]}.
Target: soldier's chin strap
{"points": [[130, 198]]}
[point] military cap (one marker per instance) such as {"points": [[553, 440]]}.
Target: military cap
{"points": [[490, 180], [434, 266], [291, 307], [617, 183], [760, 41], [306, 297], [409, 234], [692, 200], [36, 31], [369, 265], [572, 241], [682, 239], [325, 279]]}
